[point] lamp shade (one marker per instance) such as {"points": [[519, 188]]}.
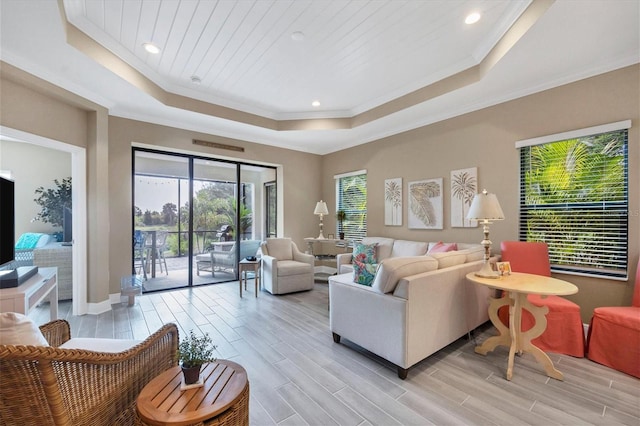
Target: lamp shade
{"points": [[321, 208], [485, 207]]}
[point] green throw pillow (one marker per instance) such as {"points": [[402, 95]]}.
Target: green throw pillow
{"points": [[365, 253], [364, 273]]}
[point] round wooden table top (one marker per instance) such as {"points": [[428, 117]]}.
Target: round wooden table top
{"points": [[161, 402], [527, 283]]}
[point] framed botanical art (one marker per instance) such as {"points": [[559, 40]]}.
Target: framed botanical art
{"points": [[464, 186], [393, 202], [425, 204]]}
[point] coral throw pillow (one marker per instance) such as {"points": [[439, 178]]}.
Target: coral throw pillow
{"points": [[441, 247], [364, 273]]}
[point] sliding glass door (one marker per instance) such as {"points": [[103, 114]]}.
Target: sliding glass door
{"points": [[195, 218]]}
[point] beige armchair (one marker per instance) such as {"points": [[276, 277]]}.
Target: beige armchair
{"points": [[285, 269], [49, 385]]}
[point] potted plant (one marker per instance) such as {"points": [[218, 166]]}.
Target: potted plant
{"points": [[193, 352], [341, 216], [53, 202]]}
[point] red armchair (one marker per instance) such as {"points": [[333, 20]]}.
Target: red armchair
{"points": [[564, 333], [614, 335]]}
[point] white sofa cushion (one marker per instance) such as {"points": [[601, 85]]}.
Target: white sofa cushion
{"points": [[408, 248], [18, 329], [473, 251], [383, 248], [449, 258], [100, 345], [280, 248], [393, 269]]}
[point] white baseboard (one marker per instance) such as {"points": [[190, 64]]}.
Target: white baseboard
{"points": [[104, 306]]}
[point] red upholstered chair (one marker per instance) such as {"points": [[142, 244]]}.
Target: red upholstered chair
{"points": [[614, 335], [564, 333]]}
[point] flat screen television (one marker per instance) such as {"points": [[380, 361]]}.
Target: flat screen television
{"points": [[7, 221]]}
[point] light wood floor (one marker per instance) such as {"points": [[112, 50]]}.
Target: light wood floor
{"points": [[299, 376]]}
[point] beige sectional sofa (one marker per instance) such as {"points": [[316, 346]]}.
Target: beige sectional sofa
{"points": [[417, 304]]}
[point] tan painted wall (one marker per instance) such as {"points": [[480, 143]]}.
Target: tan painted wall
{"points": [[486, 139]]}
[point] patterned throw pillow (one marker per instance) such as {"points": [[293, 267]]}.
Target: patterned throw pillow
{"points": [[364, 273], [365, 253]]}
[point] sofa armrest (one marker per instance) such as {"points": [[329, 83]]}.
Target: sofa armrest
{"points": [[343, 259], [302, 257]]}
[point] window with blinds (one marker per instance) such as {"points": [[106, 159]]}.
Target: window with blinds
{"points": [[574, 197], [351, 197]]}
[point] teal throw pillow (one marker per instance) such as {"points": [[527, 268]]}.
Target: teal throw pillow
{"points": [[364, 273], [365, 253]]}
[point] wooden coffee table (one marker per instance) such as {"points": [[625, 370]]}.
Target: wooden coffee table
{"points": [[224, 398]]}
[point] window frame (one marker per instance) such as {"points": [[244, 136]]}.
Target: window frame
{"points": [[613, 214], [357, 217]]}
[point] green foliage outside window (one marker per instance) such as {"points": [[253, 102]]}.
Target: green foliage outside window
{"points": [[574, 197]]}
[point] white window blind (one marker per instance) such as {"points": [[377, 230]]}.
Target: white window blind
{"points": [[574, 197], [351, 196]]}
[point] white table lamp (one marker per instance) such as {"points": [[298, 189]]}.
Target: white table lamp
{"points": [[321, 210], [485, 208]]}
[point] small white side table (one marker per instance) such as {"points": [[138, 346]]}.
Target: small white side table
{"points": [[248, 266]]}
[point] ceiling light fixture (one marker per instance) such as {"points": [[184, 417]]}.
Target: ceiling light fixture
{"points": [[472, 18], [151, 48], [297, 36], [195, 79], [315, 103]]}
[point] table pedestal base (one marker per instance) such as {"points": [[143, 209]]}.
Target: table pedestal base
{"points": [[513, 337]]}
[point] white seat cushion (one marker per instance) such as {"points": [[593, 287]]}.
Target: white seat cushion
{"points": [[292, 267], [18, 329], [100, 345], [409, 248]]}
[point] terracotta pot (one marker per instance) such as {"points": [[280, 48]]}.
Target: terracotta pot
{"points": [[191, 374]]}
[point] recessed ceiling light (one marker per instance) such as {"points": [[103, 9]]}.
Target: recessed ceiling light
{"points": [[472, 18], [315, 103], [151, 48], [297, 36], [195, 79]]}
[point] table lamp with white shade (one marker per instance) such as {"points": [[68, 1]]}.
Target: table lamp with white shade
{"points": [[485, 208], [321, 210]]}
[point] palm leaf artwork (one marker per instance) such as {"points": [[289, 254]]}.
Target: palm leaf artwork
{"points": [[393, 200], [421, 203], [463, 188]]}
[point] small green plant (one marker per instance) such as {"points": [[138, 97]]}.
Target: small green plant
{"points": [[193, 351], [341, 216]]}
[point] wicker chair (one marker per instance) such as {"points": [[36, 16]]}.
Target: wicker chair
{"points": [[53, 386]]}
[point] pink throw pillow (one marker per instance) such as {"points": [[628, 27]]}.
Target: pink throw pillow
{"points": [[441, 247]]}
